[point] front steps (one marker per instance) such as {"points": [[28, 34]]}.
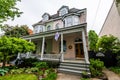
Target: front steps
{"points": [[74, 68]]}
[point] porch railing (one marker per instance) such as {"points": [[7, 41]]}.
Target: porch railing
{"points": [[45, 56], [51, 56]]}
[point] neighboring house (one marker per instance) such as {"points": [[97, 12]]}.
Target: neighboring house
{"points": [[62, 36], [112, 22]]}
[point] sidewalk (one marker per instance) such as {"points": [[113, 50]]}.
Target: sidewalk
{"points": [[111, 76], [62, 76]]}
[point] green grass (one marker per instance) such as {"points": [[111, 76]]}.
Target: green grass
{"points": [[19, 77]]}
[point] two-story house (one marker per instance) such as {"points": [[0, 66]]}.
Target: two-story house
{"points": [[62, 34]]}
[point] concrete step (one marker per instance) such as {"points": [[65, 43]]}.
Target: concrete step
{"points": [[75, 68]]}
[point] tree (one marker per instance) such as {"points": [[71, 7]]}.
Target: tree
{"points": [[10, 46], [16, 31], [92, 38], [108, 43], [8, 10]]}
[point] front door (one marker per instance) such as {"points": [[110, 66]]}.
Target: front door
{"points": [[79, 50]]}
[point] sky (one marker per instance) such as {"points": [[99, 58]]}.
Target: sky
{"points": [[33, 10]]}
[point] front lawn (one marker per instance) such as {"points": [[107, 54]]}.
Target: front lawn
{"points": [[19, 77]]}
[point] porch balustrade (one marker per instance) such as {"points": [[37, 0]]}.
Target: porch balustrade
{"points": [[38, 56], [51, 56]]}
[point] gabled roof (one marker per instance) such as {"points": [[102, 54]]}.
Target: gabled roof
{"points": [[55, 16]]}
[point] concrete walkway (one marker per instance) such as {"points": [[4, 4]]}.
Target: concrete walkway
{"points": [[62, 76], [111, 75]]}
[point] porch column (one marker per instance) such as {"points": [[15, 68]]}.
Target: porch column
{"points": [[62, 55], [42, 51], [84, 46]]}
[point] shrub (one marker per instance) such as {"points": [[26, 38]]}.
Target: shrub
{"points": [[3, 71], [41, 65], [31, 70], [26, 62], [17, 71], [51, 76], [96, 67], [52, 64]]}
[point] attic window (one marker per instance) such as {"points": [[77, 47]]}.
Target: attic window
{"points": [[45, 17], [63, 11]]}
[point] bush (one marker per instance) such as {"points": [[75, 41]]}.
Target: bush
{"points": [[17, 71], [96, 67], [26, 62], [52, 64], [51, 76], [41, 65], [3, 71], [31, 70]]}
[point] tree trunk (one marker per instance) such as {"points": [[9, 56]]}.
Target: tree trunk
{"points": [[4, 60]]}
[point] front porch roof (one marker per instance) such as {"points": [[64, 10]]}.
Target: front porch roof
{"points": [[71, 29]]}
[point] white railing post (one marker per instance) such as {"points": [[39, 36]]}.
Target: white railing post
{"points": [[62, 57], [85, 47], [42, 51]]}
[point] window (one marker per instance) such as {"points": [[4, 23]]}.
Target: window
{"points": [[57, 26], [63, 11], [76, 20], [45, 16], [64, 46], [68, 21], [41, 29], [48, 28], [36, 30]]}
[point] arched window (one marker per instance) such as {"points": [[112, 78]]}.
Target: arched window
{"points": [[57, 26], [64, 46], [48, 28]]}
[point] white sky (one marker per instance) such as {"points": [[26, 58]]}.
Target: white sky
{"points": [[34, 9]]}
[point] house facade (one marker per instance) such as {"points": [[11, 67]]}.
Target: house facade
{"points": [[112, 22], [61, 36]]}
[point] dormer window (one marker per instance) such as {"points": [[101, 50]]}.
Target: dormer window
{"points": [[63, 10], [45, 16]]}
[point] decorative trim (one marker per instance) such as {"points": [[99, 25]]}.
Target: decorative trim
{"points": [[70, 46]]}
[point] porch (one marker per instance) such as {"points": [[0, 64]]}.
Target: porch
{"points": [[71, 45]]}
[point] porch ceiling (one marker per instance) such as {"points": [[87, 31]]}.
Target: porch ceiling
{"points": [[71, 29]]}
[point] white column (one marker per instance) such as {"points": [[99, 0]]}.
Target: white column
{"points": [[62, 57], [85, 47], [42, 51]]}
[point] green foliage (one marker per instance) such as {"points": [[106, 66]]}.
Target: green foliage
{"points": [[3, 71], [26, 62], [41, 65], [92, 38], [108, 43], [19, 77], [115, 69], [96, 67], [51, 76], [31, 70], [17, 71], [16, 31], [8, 10], [10, 46]]}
